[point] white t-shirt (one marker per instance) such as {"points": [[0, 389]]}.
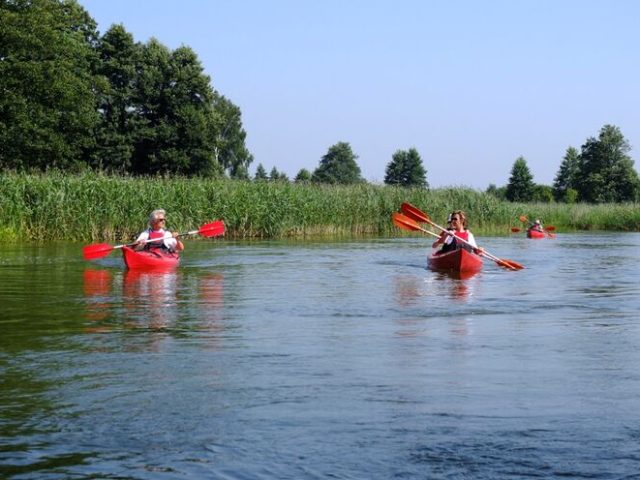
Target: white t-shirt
{"points": [[471, 240]]}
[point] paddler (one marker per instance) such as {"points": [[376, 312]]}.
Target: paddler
{"points": [[156, 230], [458, 226]]}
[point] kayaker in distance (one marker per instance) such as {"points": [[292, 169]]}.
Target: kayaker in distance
{"points": [[157, 222], [537, 226], [458, 226]]}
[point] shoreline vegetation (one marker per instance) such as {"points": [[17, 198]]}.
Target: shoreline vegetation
{"points": [[98, 207]]}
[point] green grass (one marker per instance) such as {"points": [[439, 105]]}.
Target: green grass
{"points": [[92, 207]]}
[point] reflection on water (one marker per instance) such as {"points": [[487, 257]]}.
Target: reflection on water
{"points": [[153, 299], [97, 288], [458, 286], [149, 298]]}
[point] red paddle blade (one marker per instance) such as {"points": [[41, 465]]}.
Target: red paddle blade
{"points": [[511, 264], [403, 222], [523, 219], [551, 228], [515, 229], [414, 213], [99, 250], [212, 229]]}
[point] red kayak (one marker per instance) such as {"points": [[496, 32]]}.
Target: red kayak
{"points": [[459, 260], [535, 234], [149, 258]]}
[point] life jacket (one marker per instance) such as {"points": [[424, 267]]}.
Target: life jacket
{"points": [[153, 234], [453, 245]]}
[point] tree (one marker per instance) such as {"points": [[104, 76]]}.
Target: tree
{"points": [[606, 171], [240, 173], [568, 174], [303, 176], [406, 170], [498, 192], [274, 175], [231, 151], [261, 173], [520, 187], [542, 193], [115, 133], [47, 100], [338, 166], [174, 102]]}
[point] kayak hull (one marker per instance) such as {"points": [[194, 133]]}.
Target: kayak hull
{"points": [[535, 234], [459, 260], [149, 258]]}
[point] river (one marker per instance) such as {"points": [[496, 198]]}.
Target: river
{"points": [[344, 359]]}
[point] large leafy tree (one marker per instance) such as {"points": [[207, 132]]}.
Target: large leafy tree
{"points": [[607, 173], [230, 148], [173, 102], [338, 165], [568, 175], [47, 101], [119, 118], [520, 187], [406, 170]]}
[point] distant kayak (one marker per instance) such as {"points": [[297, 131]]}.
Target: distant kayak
{"points": [[535, 234], [459, 260], [149, 258]]}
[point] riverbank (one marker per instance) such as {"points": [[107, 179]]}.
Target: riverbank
{"points": [[91, 206]]}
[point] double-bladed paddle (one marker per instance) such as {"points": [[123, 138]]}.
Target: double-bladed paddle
{"points": [[413, 215], [99, 250], [405, 223]]}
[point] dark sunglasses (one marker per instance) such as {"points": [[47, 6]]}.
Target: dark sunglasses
{"points": [[161, 220]]}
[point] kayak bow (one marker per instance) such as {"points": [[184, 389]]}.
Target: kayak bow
{"points": [[459, 260], [149, 258], [534, 234]]}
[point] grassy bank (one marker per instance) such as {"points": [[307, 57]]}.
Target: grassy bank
{"points": [[93, 207]]}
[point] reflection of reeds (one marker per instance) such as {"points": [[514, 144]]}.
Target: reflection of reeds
{"points": [[99, 207]]}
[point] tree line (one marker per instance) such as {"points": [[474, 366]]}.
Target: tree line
{"points": [[601, 172], [73, 99]]}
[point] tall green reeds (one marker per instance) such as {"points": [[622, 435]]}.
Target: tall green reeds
{"points": [[92, 207]]}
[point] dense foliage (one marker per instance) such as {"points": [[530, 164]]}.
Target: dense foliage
{"points": [[406, 170], [606, 172], [520, 187], [338, 166], [566, 181], [74, 99]]}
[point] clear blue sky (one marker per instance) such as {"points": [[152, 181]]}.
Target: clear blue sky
{"points": [[472, 85]]}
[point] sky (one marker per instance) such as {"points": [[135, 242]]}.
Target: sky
{"points": [[471, 85]]}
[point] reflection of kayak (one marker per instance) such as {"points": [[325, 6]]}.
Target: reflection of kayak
{"points": [[149, 258], [459, 260], [535, 234]]}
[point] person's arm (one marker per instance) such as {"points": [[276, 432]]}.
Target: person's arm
{"points": [[179, 245], [172, 241], [140, 241], [472, 241], [439, 240]]}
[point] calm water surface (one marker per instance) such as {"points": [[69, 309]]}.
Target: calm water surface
{"points": [[346, 360]]}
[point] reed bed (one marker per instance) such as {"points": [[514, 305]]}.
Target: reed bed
{"points": [[91, 207]]}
